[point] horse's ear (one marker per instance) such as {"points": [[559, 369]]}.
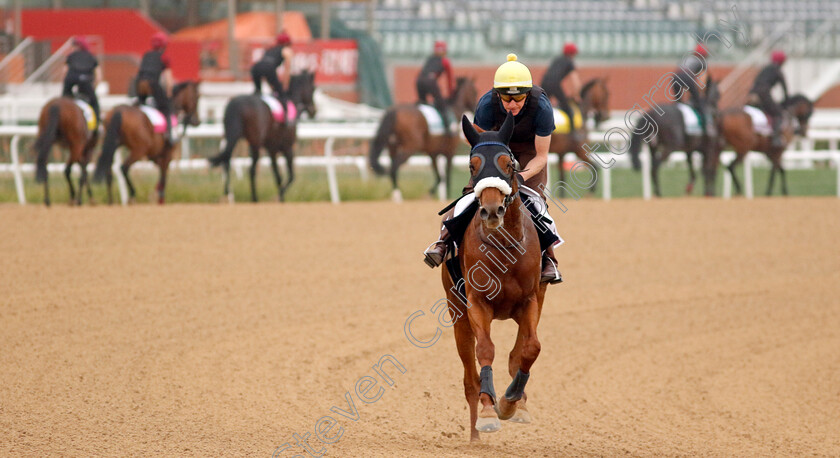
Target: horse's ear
{"points": [[469, 130], [506, 131]]}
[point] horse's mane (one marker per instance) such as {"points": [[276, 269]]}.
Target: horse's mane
{"points": [[180, 86], [796, 98], [588, 86]]}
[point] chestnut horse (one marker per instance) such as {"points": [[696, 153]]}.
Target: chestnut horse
{"points": [[128, 125], [62, 121], [248, 117], [594, 101], [737, 130], [501, 230], [405, 132]]}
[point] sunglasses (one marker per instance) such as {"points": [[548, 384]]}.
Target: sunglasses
{"points": [[515, 98]]}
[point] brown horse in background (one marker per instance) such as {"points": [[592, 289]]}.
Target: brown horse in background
{"points": [[507, 288], [128, 125], [594, 101], [736, 129], [62, 121], [405, 132], [249, 117]]}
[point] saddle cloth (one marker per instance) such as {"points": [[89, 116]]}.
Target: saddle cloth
{"points": [[277, 108], [690, 119], [157, 119], [761, 123], [561, 120], [433, 119], [90, 116]]}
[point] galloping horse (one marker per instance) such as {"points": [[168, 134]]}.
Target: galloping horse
{"points": [[501, 229], [63, 121], [737, 130], [250, 117], [128, 125], [595, 102], [671, 136], [404, 131]]}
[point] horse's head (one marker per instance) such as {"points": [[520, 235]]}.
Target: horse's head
{"points": [[302, 92], [492, 170], [595, 97], [800, 108], [185, 100], [465, 95]]}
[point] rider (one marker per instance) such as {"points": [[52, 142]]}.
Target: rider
{"points": [[513, 91], [153, 66], [427, 84], [560, 68], [267, 66], [764, 82], [691, 68], [81, 70]]}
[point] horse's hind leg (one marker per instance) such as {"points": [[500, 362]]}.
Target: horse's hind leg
{"points": [[132, 196], [784, 180], [436, 173], [770, 182], [83, 182], [289, 154], [689, 188], [163, 164], [272, 156], [396, 162], [255, 157], [68, 169], [731, 168], [465, 341]]}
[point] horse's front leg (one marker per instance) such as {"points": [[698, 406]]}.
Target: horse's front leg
{"points": [[481, 316], [163, 164], [689, 188], [465, 342], [522, 357], [68, 169], [255, 157], [272, 157], [289, 154]]}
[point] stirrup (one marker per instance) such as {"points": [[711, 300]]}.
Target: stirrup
{"points": [[557, 278], [433, 259]]}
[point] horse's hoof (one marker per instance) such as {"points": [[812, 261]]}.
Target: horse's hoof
{"points": [[689, 189], [396, 196], [488, 421], [521, 415], [505, 409]]}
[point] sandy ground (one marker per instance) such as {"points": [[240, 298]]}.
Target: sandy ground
{"points": [[685, 327]]}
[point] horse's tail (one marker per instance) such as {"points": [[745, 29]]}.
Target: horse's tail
{"points": [[234, 130], [636, 146], [384, 131], [109, 147], [45, 141]]}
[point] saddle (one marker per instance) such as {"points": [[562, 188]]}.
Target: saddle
{"points": [[157, 119], [277, 110], [87, 110], [433, 119]]}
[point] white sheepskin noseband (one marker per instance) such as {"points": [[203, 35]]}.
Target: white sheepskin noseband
{"points": [[492, 182]]}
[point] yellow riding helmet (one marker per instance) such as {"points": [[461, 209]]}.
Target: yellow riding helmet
{"points": [[512, 77]]}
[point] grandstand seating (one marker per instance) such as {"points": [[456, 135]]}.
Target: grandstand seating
{"points": [[601, 28]]}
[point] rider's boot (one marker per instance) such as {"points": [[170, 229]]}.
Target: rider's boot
{"points": [[436, 252], [550, 274]]}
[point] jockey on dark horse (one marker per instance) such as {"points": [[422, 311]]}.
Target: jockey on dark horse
{"points": [[514, 92], [692, 69], [770, 76], [81, 69], [153, 65], [436, 65], [267, 66], [552, 82]]}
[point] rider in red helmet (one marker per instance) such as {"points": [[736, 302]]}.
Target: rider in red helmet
{"points": [[427, 84], [267, 66], [153, 66], [770, 76], [563, 67], [81, 70], [688, 77]]}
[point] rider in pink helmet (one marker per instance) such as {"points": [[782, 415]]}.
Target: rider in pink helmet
{"points": [[770, 76], [153, 66], [266, 67]]}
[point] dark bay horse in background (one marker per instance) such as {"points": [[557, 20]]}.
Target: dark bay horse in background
{"points": [[594, 101], [248, 117], [671, 136], [128, 125], [62, 121], [404, 131], [502, 226], [737, 130]]}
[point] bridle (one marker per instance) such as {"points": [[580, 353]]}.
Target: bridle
{"points": [[498, 173]]}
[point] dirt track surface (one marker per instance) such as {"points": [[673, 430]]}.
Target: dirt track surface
{"points": [[685, 327]]}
